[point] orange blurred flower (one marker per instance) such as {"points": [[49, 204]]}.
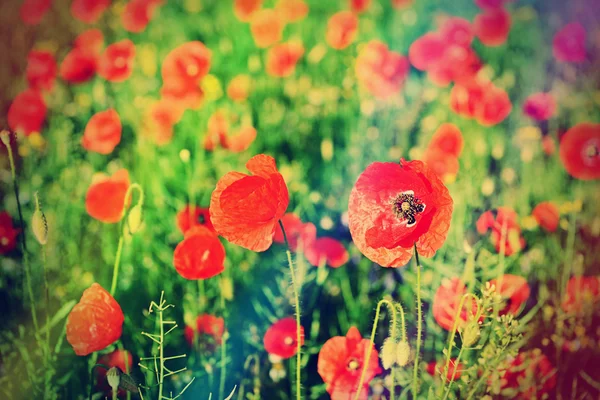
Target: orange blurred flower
{"points": [[266, 27], [102, 132], [381, 71], [116, 62], [105, 197], [342, 28], [282, 58]]}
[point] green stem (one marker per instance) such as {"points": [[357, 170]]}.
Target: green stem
{"points": [[415, 385], [161, 349], [453, 372], [48, 355], [113, 286], [223, 353]]}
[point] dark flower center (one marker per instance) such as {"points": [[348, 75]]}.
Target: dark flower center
{"points": [[353, 364], [591, 151], [201, 219], [406, 207]]}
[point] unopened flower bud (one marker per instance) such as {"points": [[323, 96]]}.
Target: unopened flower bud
{"points": [[134, 220], [388, 353], [39, 224], [5, 137], [402, 353], [470, 334]]}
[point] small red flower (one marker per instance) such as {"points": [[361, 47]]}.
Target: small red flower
{"points": [[395, 205], [514, 291], [102, 132], [341, 362], [138, 13], [359, 6], [245, 9], [8, 234], [381, 71], [105, 197], [95, 322], [532, 374], [539, 106], [41, 70], [116, 63], [265, 198], [441, 365], [342, 29], [191, 217], [292, 10], [580, 151], [495, 107], [446, 302], [443, 164], [295, 231], [466, 98], [427, 51], [27, 112], [281, 338], [121, 359], [548, 145], [266, 27], [458, 64], [502, 217], [457, 31], [492, 26], [89, 11], [326, 250], [583, 292], [200, 255], [282, 58], [90, 41], [160, 119], [32, 11], [241, 140], [569, 43], [208, 325], [239, 87], [547, 215], [78, 66], [447, 138]]}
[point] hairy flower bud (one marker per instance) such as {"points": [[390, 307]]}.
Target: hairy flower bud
{"points": [[402, 353], [388, 353], [39, 224]]}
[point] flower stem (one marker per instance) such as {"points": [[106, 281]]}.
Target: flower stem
{"points": [[223, 352], [415, 385], [161, 348], [456, 363]]}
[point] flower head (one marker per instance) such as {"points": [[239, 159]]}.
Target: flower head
{"points": [[8, 233], [342, 29], [547, 215], [116, 63], [192, 216], [208, 326], [89, 11], [281, 338], [200, 255], [266, 27], [446, 301], [32, 11], [381, 71], [492, 26], [102, 132], [502, 221], [282, 58], [292, 10], [244, 9], [105, 197], [513, 290], [539, 106], [27, 112], [326, 250], [569, 43], [580, 151], [582, 292], [41, 70]]}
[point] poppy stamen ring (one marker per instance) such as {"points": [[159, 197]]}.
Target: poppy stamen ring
{"points": [[406, 207]]}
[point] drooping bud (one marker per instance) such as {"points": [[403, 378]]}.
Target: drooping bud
{"points": [[134, 220], [402, 353], [39, 224], [388, 353], [470, 334]]}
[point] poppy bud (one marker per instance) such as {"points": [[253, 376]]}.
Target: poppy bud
{"points": [[39, 224], [470, 334], [388, 353], [5, 137], [113, 376], [134, 220], [402, 353], [277, 372]]}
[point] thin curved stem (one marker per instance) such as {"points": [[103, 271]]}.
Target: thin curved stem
{"points": [[456, 363], [415, 385], [402, 320]]}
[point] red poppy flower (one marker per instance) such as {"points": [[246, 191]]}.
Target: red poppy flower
{"points": [[295, 231], [241, 140], [569, 43], [266, 28], [457, 31], [102, 132], [206, 324], [427, 51], [580, 151], [443, 164], [200, 255], [192, 216], [281, 338], [441, 365], [91, 41], [495, 221], [27, 112], [326, 250], [244, 9], [342, 29], [89, 11], [95, 322], [381, 71], [41, 70], [447, 138], [8, 234], [32, 11], [395, 205], [160, 119], [239, 87], [446, 302], [458, 64], [218, 128], [548, 145], [105, 197], [466, 98], [539, 106], [138, 13], [513, 290], [583, 292], [359, 6], [282, 58], [265, 198], [78, 66], [116, 63], [532, 374], [490, 4], [121, 359], [341, 362], [492, 26], [547, 215], [400, 4], [496, 106], [292, 10]]}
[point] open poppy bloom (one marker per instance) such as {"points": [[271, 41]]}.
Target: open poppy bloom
{"points": [[121, 359], [266, 28], [539, 106], [200, 255], [381, 71], [265, 198], [427, 51], [568, 44], [340, 364], [95, 322], [342, 28], [32, 11], [89, 11], [504, 218], [583, 293], [207, 326], [458, 64], [116, 63], [105, 197], [447, 138], [326, 250], [192, 216], [513, 290], [239, 87], [292, 10], [91, 41], [394, 206], [282, 58], [467, 98], [138, 13], [453, 369], [102, 132], [8, 233], [580, 151], [27, 112], [495, 107], [531, 375], [244, 9], [79, 65], [281, 338], [446, 302], [457, 31], [359, 6], [160, 119], [547, 215], [492, 26], [41, 70]]}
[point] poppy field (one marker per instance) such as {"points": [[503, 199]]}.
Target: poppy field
{"points": [[300, 199]]}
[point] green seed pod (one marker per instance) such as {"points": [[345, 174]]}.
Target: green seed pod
{"points": [[388, 353], [470, 334], [402, 353]]}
